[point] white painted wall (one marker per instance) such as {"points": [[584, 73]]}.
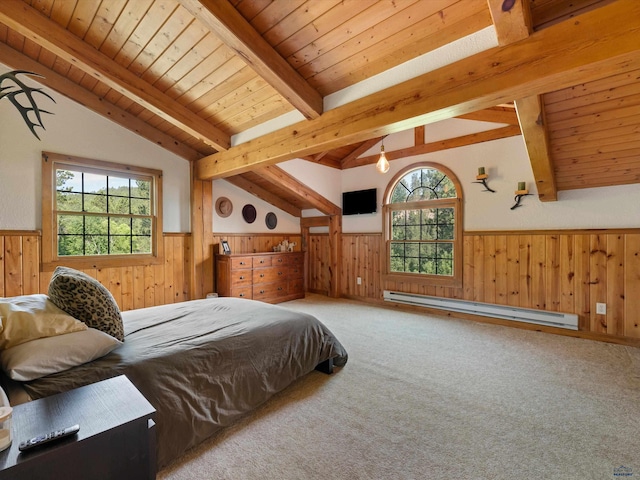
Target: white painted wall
{"points": [[75, 130], [235, 222], [507, 163]]}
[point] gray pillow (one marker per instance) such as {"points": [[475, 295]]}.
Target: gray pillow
{"points": [[86, 299]]}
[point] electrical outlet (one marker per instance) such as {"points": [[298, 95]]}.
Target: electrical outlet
{"points": [[359, 280], [601, 308]]}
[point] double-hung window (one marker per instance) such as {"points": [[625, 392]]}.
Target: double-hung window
{"points": [[423, 226], [96, 212]]}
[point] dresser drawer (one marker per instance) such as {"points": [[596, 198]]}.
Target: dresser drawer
{"points": [[281, 259], [241, 277], [296, 286], [270, 274], [296, 259], [296, 271], [241, 262], [262, 261], [269, 291], [242, 292]]}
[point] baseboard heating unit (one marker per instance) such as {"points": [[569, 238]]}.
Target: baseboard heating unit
{"points": [[528, 315]]}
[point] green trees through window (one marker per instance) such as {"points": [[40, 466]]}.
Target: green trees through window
{"points": [[102, 214], [418, 237], [422, 217]]}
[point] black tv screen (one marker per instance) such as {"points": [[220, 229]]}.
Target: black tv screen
{"points": [[360, 201]]}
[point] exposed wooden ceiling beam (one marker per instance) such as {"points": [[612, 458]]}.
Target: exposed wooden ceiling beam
{"points": [[495, 114], [27, 21], [230, 26], [495, 134], [276, 175], [319, 156], [534, 130], [327, 162], [314, 222], [514, 24], [248, 186], [557, 57], [512, 20], [359, 151], [16, 60]]}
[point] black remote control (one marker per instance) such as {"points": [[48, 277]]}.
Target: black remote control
{"points": [[48, 438]]}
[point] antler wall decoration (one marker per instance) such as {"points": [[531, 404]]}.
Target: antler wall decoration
{"points": [[31, 114]]}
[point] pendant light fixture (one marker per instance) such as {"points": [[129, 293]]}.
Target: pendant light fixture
{"points": [[383, 164]]}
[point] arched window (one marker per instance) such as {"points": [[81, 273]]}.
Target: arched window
{"points": [[422, 214]]}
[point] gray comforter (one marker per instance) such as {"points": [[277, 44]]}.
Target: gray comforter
{"points": [[204, 363]]}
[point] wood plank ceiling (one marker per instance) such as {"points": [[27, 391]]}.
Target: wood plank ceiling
{"points": [[190, 74]]}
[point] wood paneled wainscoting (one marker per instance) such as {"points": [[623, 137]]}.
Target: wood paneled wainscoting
{"points": [[132, 286], [256, 243], [567, 271]]}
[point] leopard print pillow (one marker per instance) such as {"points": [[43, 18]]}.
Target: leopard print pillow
{"points": [[86, 299]]}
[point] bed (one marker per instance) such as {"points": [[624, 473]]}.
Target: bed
{"points": [[204, 363]]}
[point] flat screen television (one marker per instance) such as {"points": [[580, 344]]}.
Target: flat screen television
{"points": [[360, 201]]}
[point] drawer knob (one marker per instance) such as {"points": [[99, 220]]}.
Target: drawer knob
{"points": [[261, 291], [241, 295], [261, 261], [241, 277], [242, 263], [279, 288], [279, 273], [261, 275]]}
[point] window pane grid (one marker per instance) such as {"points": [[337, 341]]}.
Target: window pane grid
{"points": [[97, 234], [426, 224], [424, 258], [102, 214], [422, 223]]}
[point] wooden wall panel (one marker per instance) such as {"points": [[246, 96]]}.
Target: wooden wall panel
{"points": [[132, 287], [318, 268], [632, 286], [582, 282], [513, 271], [477, 260], [615, 284], [568, 271], [552, 272], [566, 274], [598, 281], [360, 258], [254, 243], [524, 263]]}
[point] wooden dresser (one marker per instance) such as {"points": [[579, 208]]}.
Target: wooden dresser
{"points": [[269, 277]]}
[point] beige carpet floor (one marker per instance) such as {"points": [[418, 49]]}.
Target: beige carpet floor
{"points": [[428, 397]]}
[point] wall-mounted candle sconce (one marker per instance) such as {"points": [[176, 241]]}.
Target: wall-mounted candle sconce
{"points": [[482, 178], [521, 192]]}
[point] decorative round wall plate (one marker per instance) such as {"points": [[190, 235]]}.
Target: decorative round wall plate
{"points": [[271, 220], [224, 207], [249, 213]]}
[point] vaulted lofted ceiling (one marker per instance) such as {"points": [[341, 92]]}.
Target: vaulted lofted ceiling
{"points": [[190, 74]]}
